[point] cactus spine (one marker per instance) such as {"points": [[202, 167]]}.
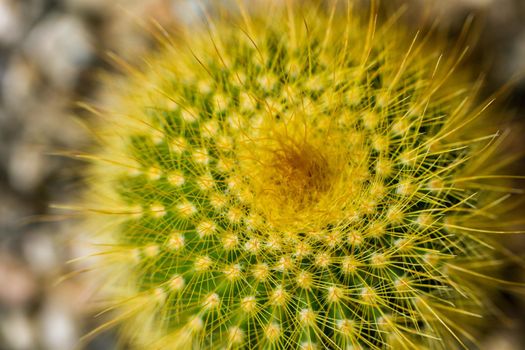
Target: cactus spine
{"points": [[296, 179]]}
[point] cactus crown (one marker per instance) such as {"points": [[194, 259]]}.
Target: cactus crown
{"points": [[295, 181]]}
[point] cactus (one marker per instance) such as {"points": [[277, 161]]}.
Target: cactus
{"points": [[296, 178]]}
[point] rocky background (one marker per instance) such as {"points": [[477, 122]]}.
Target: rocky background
{"points": [[51, 55]]}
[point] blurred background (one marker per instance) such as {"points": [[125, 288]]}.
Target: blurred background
{"points": [[51, 55]]}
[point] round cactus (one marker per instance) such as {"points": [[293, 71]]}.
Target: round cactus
{"points": [[296, 178]]}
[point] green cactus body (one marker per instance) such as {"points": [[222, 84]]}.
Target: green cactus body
{"points": [[296, 181]]}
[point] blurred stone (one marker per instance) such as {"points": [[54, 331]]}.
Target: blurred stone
{"points": [[502, 341], [188, 11], [10, 21], [12, 211], [61, 47], [49, 124], [57, 327], [454, 12], [18, 84], [18, 285], [87, 6], [17, 330], [516, 62], [41, 254], [75, 294], [127, 32], [31, 11], [455, 5], [503, 13], [26, 167]]}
